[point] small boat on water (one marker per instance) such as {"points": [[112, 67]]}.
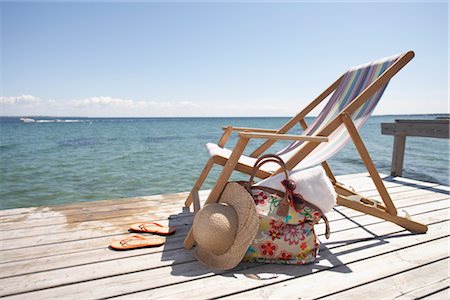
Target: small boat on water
{"points": [[27, 120]]}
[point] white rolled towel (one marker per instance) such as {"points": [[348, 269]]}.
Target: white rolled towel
{"points": [[313, 184]]}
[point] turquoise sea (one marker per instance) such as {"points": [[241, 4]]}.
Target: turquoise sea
{"points": [[85, 159]]}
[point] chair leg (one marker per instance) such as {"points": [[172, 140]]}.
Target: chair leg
{"points": [[221, 182], [376, 210], [387, 212], [369, 164], [196, 200], [327, 169], [198, 184]]}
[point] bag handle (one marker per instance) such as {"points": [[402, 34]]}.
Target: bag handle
{"points": [[265, 159], [288, 184]]}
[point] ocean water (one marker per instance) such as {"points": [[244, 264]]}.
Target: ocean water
{"points": [[86, 159]]}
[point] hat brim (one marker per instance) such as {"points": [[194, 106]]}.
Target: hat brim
{"points": [[242, 202]]}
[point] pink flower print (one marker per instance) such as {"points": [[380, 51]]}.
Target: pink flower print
{"points": [[293, 235], [303, 246], [275, 233], [276, 230], [260, 198], [285, 255], [268, 249], [275, 223]]}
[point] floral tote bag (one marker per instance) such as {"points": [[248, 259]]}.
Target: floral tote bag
{"points": [[286, 222]]}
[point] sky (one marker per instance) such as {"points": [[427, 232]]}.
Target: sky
{"points": [[208, 59]]}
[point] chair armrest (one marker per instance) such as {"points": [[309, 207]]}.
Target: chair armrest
{"points": [[246, 129], [274, 136]]}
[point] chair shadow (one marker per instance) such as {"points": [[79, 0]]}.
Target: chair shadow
{"points": [[184, 263], [398, 180]]}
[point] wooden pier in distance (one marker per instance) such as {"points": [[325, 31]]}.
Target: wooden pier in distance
{"points": [[437, 128], [62, 252]]}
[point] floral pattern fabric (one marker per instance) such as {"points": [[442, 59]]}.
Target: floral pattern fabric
{"points": [[283, 239]]}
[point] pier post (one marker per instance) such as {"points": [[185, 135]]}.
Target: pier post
{"points": [[434, 128], [398, 154]]}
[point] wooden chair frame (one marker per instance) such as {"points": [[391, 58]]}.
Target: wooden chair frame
{"points": [[346, 197]]}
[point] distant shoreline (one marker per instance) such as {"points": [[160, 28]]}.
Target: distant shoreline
{"points": [[205, 117]]}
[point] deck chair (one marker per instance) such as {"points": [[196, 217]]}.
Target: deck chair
{"points": [[356, 93]]}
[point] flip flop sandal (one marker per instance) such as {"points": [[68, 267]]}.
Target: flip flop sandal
{"points": [[136, 242], [153, 227]]}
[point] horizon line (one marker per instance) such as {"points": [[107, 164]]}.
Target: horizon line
{"points": [[187, 117]]}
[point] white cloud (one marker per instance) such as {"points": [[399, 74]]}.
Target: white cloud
{"points": [[102, 101], [126, 103], [106, 106], [22, 99], [101, 106]]}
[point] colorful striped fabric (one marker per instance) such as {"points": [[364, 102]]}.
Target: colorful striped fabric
{"points": [[354, 82]]}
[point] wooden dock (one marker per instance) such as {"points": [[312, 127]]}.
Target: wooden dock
{"points": [[434, 128], [62, 252]]}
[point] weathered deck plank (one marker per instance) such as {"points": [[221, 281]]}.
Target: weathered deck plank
{"points": [[353, 273], [96, 235], [101, 254], [399, 284], [159, 280], [437, 291], [62, 251]]}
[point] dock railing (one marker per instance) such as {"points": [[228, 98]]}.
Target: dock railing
{"points": [[435, 128]]}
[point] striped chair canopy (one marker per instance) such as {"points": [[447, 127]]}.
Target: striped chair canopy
{"points": [[355, 95], [353, 83]]}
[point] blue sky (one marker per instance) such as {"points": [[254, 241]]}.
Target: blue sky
{"points": [[149, 59]]}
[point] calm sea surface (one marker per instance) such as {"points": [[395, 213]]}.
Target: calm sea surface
{"points": [[79, 159]]}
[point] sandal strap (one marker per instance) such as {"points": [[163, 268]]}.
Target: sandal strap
{"points": [[125, 241], [142, 226]]}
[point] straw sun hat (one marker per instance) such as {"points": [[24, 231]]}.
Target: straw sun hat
{"points": [[223, 231]]}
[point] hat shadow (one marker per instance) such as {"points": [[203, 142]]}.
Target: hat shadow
{"points": [[183, 261], [185, 264], [333, 255]]}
